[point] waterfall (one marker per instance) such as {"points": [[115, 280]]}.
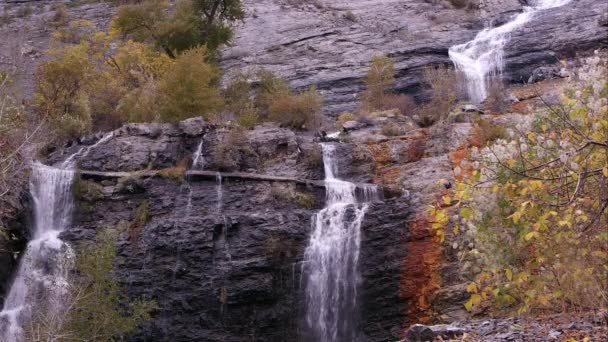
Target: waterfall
{"points": [[482, 58], [84, 151], [332, 256], [198, 161], [41, 284]]}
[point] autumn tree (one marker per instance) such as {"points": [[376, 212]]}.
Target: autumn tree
{"points": [[190, 87], [537, 205], [191, 24], [379, 81]]}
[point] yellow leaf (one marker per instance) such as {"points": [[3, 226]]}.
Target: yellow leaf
{"points": [[456, 229], [605, 171], [530, 236], [468, 305], [446, 199], [475, 299], [516, 216], [509, 274], [472, 287]]}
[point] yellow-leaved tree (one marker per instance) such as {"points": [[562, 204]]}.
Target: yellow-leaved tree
{"points": [[536, 205]]}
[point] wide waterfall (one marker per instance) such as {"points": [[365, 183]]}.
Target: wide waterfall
{"points": [[40, 285], [331, 258], [481, 59]]}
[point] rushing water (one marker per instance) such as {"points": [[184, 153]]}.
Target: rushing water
{"points": [[40, 284], [84, 151], [332, 256], [481, 59], [198, 161]]}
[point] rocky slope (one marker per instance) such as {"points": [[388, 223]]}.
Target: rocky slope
{"points": [[329, 44]]}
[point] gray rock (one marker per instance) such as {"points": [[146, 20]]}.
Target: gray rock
{"points": [[318, 47], [351, 125], [471, 108]]}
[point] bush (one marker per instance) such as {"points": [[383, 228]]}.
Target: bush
{"points": [[97, 309], [345, 117], [299, 111], [233, 151], [240, 101], [60, 93], [391, 129], [379, 80], [284, 194], [445, 91], [270, 87], [60, 16], [484, 132], [497, 100], [189, 25], [189, 89], [350, 16], [460, 3], [403, 103], [75, 31], [535, 206]]}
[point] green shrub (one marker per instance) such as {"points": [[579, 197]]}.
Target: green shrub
{"points": [[189, 89]]}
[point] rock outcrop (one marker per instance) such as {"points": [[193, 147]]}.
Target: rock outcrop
{"points": [[223, 259], [330, 44]]}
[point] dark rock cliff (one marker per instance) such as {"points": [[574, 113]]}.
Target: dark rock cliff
{"points": [[224, 262]]}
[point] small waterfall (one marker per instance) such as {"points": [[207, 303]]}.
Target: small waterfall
{"points": [[41, 284], [198, 161], [84, 151], [482, 58], [331, 258]]}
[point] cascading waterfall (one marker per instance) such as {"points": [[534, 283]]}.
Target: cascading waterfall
{"points": [[198, 161], [40, 285], [84, 151], [481, 59], [331, 258]]}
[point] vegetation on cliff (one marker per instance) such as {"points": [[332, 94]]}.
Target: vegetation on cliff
{"points": [[536, 206]]}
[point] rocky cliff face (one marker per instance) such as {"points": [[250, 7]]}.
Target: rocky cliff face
{"points": [[330, 43], [224, 260]]}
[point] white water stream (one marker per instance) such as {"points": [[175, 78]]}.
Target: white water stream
{"points": [[331, 258], [481, 59], [40, 285]]}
